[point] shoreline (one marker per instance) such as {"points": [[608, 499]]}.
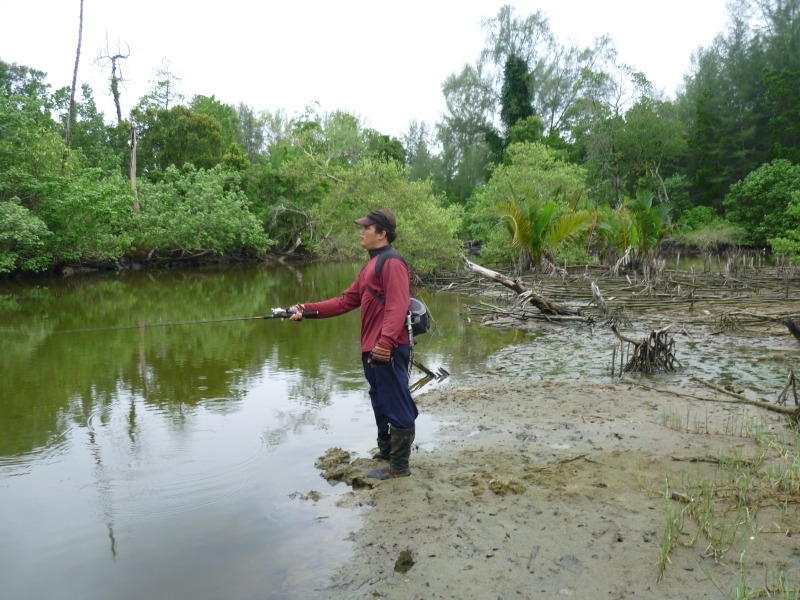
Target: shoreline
{"points": [[557, 489]]}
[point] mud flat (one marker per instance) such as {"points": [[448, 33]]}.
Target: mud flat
{"points": [[580, 489]]}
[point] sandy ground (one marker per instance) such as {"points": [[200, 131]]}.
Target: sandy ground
{"points": [[557, 490]]}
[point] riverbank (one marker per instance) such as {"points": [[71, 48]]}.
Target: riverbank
{"points": [[557, 489]]}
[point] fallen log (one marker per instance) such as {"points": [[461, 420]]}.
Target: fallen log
{"points": [[794, 413], [545, 305]]}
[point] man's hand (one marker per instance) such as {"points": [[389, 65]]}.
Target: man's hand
{"points": [[296, 312], [380, 356]]}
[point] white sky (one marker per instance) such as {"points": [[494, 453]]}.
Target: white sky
{"points": [[383, 61]]}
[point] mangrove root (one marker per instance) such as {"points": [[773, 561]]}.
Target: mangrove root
{"points": [[651, 354]]}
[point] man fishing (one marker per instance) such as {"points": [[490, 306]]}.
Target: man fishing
{"points": [[382, 291]]}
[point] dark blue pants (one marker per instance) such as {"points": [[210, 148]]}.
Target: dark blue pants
{"points": [[389, 393]]}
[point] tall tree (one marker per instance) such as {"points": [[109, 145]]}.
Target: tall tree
{"points": [[515, 96], [113, 57], [462, 132], [225, 114], [250, 135], [562, 79], [70, 114], [175, 137], [164, 89]]}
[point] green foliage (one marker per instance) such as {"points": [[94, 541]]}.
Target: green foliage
{"points": [[384, 147], [235, 159], [627, 153], [651, 222], [90, 218], [740, 105], [174, 137], [783, 106], [31, 151], [789, 245], [716, 235], [90, 141], [758, 203], [530, 173], [529, 129], [538, 230], [427, 232], [23, 238], [515, 95], [225, 115], [197, 211], [615, 230], [697, 218], [638, 223]]}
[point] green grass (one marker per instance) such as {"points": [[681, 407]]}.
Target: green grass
{"points": [[724, 505]]}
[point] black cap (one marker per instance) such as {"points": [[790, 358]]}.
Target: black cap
{"points": [[383, 217]]}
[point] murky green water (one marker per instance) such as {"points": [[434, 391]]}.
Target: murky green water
{"points": [[145, 459]]}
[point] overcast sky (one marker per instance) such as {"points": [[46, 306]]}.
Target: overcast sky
{"points": [[383, 61]]}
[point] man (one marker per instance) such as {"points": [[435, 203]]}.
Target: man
{"points": [[382, 291]]}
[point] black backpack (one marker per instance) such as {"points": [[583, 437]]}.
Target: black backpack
{"points": [[420, 317]]}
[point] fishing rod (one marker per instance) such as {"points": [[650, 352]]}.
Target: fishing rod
{"points": [[275, 313]]}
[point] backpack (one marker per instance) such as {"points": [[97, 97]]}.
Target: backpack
{"points": [[418, 314]]}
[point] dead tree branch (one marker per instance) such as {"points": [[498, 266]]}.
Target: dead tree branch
{"points": [[786, 410], [525, 296]]}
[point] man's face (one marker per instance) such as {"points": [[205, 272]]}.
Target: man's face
{"points": [[370, 239]]}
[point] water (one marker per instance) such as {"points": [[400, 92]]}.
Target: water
{"points": [[145, 459]]}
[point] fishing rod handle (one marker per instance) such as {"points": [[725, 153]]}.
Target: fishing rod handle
{"points": [[286, 314]]}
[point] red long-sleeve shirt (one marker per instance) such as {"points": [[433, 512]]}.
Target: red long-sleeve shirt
{"points": [[383, 324]]}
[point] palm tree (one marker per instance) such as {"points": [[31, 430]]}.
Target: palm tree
{"points": [[651, 223], [538, 229], [635, 223]]}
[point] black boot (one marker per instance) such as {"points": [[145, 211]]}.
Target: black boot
{"points": [[402, 439], [384, 446]]}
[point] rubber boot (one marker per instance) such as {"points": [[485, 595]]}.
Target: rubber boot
{"points": [[402, 439], [384, 446]]}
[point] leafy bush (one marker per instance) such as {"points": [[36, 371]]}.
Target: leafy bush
{"points": [[427, 231], [90, 218], [23, 238], [198, 211], [790, 244], [758, 203], [696, 218]]}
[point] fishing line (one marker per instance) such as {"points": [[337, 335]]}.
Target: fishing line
{"points": [[277, 313], [151, 325]]}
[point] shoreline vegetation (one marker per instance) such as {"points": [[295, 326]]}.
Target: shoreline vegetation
{"points": [[533, 177]]}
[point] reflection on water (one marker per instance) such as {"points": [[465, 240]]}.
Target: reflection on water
{"points": [[144, 459]]}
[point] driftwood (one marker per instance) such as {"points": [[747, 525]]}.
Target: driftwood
{"points": [[545, 305], [790, 384], [598, 299], [794, 413]]}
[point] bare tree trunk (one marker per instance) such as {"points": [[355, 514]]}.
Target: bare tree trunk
{"points": [[114, 57], [115, 89], [71, 113], [545, 305], [133, 170]]}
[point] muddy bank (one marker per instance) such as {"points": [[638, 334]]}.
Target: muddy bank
{"points": [[557, 489]]}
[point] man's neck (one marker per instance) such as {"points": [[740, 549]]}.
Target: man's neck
{"points": [[379, 249]]}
